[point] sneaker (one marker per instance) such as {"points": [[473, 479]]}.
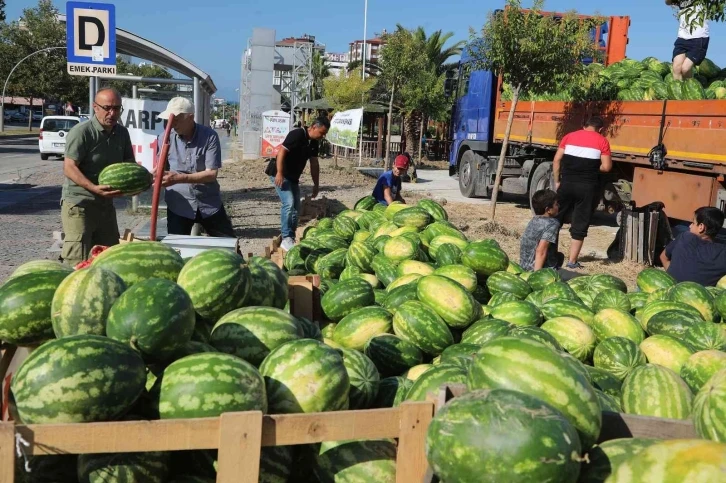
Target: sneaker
{"points": [[287, 244], [574, 266]]}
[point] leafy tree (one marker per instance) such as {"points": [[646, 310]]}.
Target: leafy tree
{"points": [[533, 53], [2, 10], [712, 10], [320, 72], [348, 90], [146, 70]]}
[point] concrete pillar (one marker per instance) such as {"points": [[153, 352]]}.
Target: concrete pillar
{"points": [[197, 99]]}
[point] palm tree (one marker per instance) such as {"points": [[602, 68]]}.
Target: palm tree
{"points": [[320, 71]]}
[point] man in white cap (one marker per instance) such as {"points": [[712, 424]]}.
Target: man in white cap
{"points": [[190, 179]]}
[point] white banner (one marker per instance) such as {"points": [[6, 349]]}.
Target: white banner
{"points": [[344, 128], [141, 118], [275, 126]]}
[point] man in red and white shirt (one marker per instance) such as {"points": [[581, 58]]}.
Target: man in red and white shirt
{"points": [[581, 157]]}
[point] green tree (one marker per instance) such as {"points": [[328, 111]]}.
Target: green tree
{"points": [[712, 10], [2, 10], [348, 90], [320, 73], [533, 53], [146, 70]]}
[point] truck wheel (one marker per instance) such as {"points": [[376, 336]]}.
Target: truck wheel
{"points": [[542, 179], [469, 173], [44, 157]]}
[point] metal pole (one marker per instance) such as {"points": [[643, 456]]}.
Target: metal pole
{"points": [[135, 198], [197, 99], [365, 34], [91, 93]]}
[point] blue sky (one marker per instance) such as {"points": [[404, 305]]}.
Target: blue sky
{"points": [[213, 33]]}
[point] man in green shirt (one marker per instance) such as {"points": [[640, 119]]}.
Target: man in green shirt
{"points": [[87, 211]]}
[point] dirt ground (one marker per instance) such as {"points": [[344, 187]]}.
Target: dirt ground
{"points": [[254, 208]]}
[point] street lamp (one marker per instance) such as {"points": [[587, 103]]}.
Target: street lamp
{"points": [[365, 34]]}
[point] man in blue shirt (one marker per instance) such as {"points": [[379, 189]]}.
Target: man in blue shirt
{"points": [[694, 256], [192, 191], [388, 187]]}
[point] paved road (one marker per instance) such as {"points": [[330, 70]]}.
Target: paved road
{"points": [[19, 157]]}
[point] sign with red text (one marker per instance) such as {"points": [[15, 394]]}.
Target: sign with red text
{"points": [[275, 126], [141, 118]]}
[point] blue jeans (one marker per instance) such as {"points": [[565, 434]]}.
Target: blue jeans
{"points": [[290, 196]]}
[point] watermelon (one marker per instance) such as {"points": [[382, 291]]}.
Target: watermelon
{"points": [[678, 460], [484, 258], [696, 296], [391, 392], [400, 248], [435, 377], [558, 291], [517, 312], [653, 390], [365, 204], [502, 435], [437, 212], [392, 355], [448, 254], [38, 266], [705, 336], [217, 280], [25, 307], [356, 328], [81, 378], [363, 376], [383, 230], [449, 299], [605, 382], [413, 266], [251, 333], [294, 259], [618, 356], [414, 216], [459, 273], [617, 323], [441, 228], [361, 236], [415, 372], [665, 351], [353, 461], [459, 354], [608, 402], [155, 317], [347, 297], [532, 367], [573, 335], [310, 330], [535, 298], [441, 240], [384, 270], [82, 301], [602, 281], [345, 227], [534, 333], [605, 458], [543, 277], [567, 308], [708, 408], [152, 467], [361, 254], [652, 279], [500, 298], [420, 325], [481, 295], [399, 295], [484, 330], [662, 294], [305, 376], [128, 178], [268, 284], [411, 278], [508, 283], [208, 384], [611, 299], [138, 261], [637, 300], [659, 306], [699, 368], [673, 323]]}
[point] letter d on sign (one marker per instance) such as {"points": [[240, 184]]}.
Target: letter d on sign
{"points": [[83, 30]]}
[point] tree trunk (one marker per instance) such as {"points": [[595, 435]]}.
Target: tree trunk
{"points": [[420, 139], [388, 133], [503, 155], [30, 116], [411, 126]]}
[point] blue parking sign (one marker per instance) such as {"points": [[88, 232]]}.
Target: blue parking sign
{"points": [[91, 38]]}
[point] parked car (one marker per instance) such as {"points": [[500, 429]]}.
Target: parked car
{"points": [[53, 132], [84, 117], [7, 115], [37, 116], [19, 117]]}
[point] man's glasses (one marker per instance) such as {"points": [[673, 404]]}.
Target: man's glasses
{"points": [[118, 109]]}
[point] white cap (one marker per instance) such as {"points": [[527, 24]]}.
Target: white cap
{"points": [[176, 106]]}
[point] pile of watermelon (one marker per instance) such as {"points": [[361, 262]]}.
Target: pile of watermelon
{"points": [[632, 80], [409, 303]]}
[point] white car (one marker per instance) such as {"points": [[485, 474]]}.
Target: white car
{"points": [[53, 132]]}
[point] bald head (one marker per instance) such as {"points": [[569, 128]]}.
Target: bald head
{"points": [[107, 107]]}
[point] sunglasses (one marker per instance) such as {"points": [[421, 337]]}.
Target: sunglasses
{"points": [[118, 109]]}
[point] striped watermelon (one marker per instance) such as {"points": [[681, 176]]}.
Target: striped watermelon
{"points": [[508, 283], [392, 355], [268, 284], [443, 240], [608, 402], [138, 261], [152, 467], [695, 295], [411, 278], [606, 382], [365, 204], [346, 297], [38, 266], [673, 323], [534, 333], [217, 280], [602, 281], [532, 367], [678, 460], [384, 230], [399, 295], [356, 461], [517, 312], [435, 377], [558, 291], [701, 366], [330, 241], [652, 279], [605, 458], [82, 378], [361, 236], [461, 274], [659, 306], [363, 376], [439, 228], [637, 300], [535, 298], [390, 210], [414, 216], [662, 294], [310, 330], [437, 212], [564, 308], [461, 354], [345, 227], [617, 323], [665, 351], [449, 299], [485, 330], [708, 408], [502, 436], [448, 254], [128, 178], [414, 266], [25, 307], [618, 356], [391, 392], [155, 317], [305, 376], [611, 299], [415, 372], [653, 390], [208, 384], [705, 336], [484, 258], [276, 464], [420, 325], [543, 277], [400, 248], [360, 254], [251, 333], [500, 298], [82, 301], [573, 335], [384, 269], [356, 328]]}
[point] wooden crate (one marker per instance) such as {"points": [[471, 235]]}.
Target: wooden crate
{"points": [[239, 437]]}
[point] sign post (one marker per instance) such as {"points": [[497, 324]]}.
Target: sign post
{"points": [[91, 38], [275, 126]]}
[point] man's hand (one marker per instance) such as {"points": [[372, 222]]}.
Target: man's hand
{"points": [[171, 178], [105, 191], [316, 190], [279, 179]]}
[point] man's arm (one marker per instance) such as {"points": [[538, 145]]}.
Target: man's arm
{"points": [[387, 195], [280, 163], [172, 177], [556, 164], [664, 259], [315, 174], [606, 163], [540, 254]]}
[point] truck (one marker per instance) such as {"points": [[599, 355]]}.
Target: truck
{"points": [[666, 151]]}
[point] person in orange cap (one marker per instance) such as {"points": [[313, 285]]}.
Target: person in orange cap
{"points": [[388, 187]]}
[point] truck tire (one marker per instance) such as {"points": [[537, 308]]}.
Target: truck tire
{"points": [[469, 173], [541, 179]]}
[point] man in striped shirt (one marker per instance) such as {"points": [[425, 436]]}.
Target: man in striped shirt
{"points": [[581, 157]]}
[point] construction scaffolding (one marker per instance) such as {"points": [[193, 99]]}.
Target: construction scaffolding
{"points": [[294, 73]]}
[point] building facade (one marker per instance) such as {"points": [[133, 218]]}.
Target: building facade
{"points": [[373, 49], [337, 63]]}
